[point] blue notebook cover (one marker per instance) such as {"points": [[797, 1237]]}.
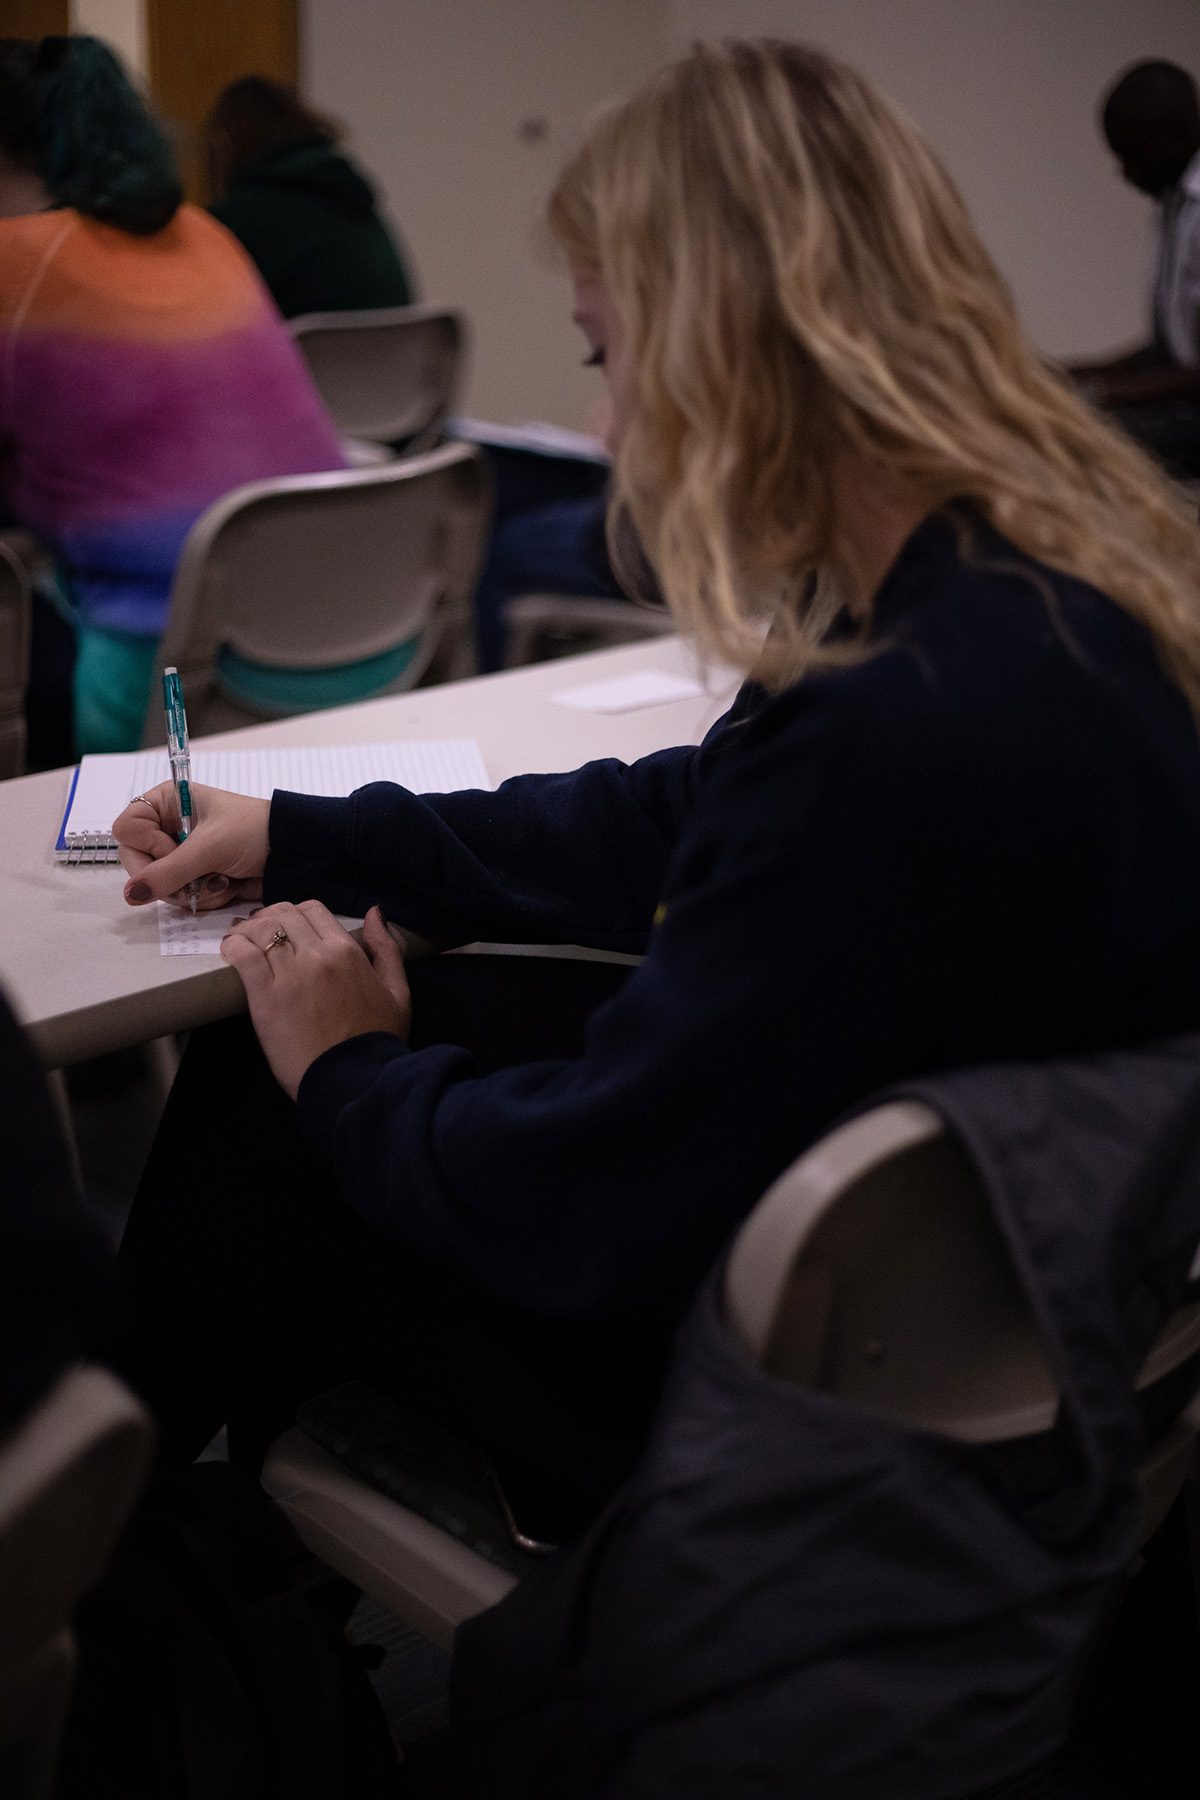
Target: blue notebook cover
{"points": [[62, 830]]}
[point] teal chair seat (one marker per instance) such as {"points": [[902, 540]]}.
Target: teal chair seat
{"points": [[288, 691]]}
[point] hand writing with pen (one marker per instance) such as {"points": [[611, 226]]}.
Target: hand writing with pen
{"points": [[309, 983]]}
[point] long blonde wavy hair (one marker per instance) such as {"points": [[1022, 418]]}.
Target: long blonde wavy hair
{"points": [[796, 273]]}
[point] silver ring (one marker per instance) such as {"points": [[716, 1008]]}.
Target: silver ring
{"points": [[281, 937], [146, 798]]}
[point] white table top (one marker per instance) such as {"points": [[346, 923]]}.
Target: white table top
{"points": [[83, 970]]}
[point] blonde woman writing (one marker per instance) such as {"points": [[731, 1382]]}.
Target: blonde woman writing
{"points": [[954, 815]]}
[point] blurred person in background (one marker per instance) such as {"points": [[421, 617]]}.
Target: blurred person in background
{"points": [[301, 208], [145, 374], [1151, 121]]}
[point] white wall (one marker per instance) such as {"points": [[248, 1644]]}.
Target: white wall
{"points": [[122, 23], [1007, 91], [435, 93]]}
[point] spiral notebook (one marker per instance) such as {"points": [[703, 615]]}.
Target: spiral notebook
{"points": [[104, 785]]}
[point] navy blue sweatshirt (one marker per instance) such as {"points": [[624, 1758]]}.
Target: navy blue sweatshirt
{"points": [[981, 842]]}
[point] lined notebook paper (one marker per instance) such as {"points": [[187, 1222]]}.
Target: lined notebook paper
{"points": [[104, 785]]}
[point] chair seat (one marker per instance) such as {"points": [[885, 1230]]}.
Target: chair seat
{"points": [[417, 1464], [365, 453], [395, 1556], [284, 692], [560, 624]]}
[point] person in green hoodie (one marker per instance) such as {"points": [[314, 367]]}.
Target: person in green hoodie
{"points": [[302, 210]]}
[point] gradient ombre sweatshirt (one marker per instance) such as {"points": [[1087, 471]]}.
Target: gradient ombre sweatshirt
{"points": [[140, 379]]}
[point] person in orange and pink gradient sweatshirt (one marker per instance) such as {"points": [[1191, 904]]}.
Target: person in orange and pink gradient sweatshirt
{"points": [[144, 370]]}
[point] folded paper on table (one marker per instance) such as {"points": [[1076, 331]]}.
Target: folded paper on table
{"points": [[179, 934], [104, 785]]}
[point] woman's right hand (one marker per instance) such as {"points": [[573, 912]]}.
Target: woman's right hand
{"points": [[226, 850]]}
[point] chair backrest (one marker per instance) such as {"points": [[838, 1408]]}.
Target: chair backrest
{"points": [[313, 571], [69, 1475], [873, 1269], [574, 622], [14, 661], [387, 372]]}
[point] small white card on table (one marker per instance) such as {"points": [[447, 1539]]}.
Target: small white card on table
{"points": [[646, 687]]}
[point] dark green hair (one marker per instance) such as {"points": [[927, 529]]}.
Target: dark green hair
{"points": [[69, 112]]}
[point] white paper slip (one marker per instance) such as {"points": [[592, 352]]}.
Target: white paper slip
{"points": [[648, 687], [104, 785], [181, 934], [533, 435]]}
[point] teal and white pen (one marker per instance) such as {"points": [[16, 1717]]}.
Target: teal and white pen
{"points": [[180, 757]]}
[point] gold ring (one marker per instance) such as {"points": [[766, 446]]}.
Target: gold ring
{"points": [[281, 937]]}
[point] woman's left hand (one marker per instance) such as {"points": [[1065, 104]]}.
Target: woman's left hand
{"points": [[314, 987]]}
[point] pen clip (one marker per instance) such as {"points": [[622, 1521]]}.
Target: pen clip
{"points": [[177, 732]]}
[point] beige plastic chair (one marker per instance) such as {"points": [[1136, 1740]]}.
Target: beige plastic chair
{"points": [[571, 623], [311, 571], [14, 661], [872, 1269], [69, 1475], [386, 373], [408, 1565]]}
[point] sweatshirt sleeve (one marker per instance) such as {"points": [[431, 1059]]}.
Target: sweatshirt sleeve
{"points": [[576, 858], [776, 988]]}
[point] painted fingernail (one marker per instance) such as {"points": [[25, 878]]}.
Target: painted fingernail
{"points": [[239, 920], [138, 892], [213, 882]]}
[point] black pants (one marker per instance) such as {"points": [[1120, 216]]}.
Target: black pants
{"points": [[250, 1285]]}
